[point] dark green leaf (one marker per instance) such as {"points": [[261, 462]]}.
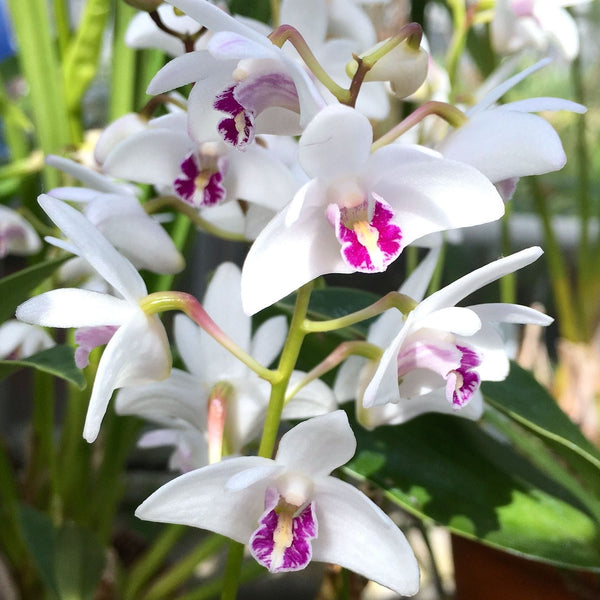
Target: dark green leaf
{"points": [[522, 398], [78, 563], [448, 469], [40, 536], [16, 288], [58, 361]]}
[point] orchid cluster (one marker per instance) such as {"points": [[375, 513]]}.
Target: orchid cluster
{"points": [[286, 138]]}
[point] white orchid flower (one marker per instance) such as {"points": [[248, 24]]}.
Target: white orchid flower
{"points": [[209, 176], [138, 352], [243, 83], [182, 401], [537, 24], [437, 356], [290, 510], [117, 213], [17, 236], [20, 340], [508, 141], [359, 210]]}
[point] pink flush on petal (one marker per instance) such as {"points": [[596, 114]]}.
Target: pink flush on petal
{"points": [[89, 338], [463, 382], [282, 540], [522, 8], [368, 244], [201, 181]]}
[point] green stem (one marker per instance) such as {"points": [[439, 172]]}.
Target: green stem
{"points": [[63, 27], [167, 583], [152, 560], [436, 279], [179, 234], [275, 13], [232, 573], [460, 27], [287, 362], [559, 278], [508, 283]]}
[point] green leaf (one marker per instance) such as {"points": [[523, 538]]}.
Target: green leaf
{"points": [[523, 399], [15, 288], [40, 536], [58, 361], [448, 469], [78, 563]]}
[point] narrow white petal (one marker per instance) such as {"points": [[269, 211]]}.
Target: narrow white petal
{"points": [[70, 307], [418, 281], [540, 104], [348, 378], [461, 288], [138, 353], [188, 68], [200, 499], [319, 445], [510, 313], [454, 319], [356, 534], [228, 45], [336, 142], [268, 340], [94, 247]]}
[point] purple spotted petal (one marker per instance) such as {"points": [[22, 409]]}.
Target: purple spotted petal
{"points": [[89, 338], [201, 181], [238, 128], [464, 382], [367, 246], [282, 540]]}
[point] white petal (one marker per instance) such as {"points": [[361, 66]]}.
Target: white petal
{"points": [[268, 340], [503, 144], [336, 142], [113, 267], [461, 288], [560, 27], [178, 398], [314, 399], [70, 307], [490, 347], [201, 499], [418, 281], [510, 313], [356, 534], [455, 319], [540, 104], [319, 445], [282, 259], [138, 353], [346, 20], [228, 45], [151, 156], [309, 17], [348, 378]]}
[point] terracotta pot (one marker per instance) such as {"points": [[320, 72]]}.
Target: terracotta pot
{"points": [[483, 573]]}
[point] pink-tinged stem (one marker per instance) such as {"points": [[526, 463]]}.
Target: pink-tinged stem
{"points": [[186, 303], [449, 113]]}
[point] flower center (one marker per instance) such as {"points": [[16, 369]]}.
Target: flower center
{"points": [[200, 183], [369, 238], [282, 540]]}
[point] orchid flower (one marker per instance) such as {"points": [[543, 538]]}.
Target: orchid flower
{"points": [[243, 83], [290, 510], [20, 340], [17, 236], [359, 210], [208, 176], [137, 349], [117, 213], [436, 357], [538, 24], [507, 141], [183, 402]]}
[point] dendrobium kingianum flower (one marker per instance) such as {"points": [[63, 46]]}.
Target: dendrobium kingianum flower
{"points": [[436, 357], [17, 236], [243, 84], [208, 176], [137, 349], [536, 24], [220, 404], [20, 340], [507, 141], [290, 510], [360, 209]]}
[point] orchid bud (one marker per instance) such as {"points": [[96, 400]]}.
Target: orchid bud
{"points": [[402, 65], [147, 5]]}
